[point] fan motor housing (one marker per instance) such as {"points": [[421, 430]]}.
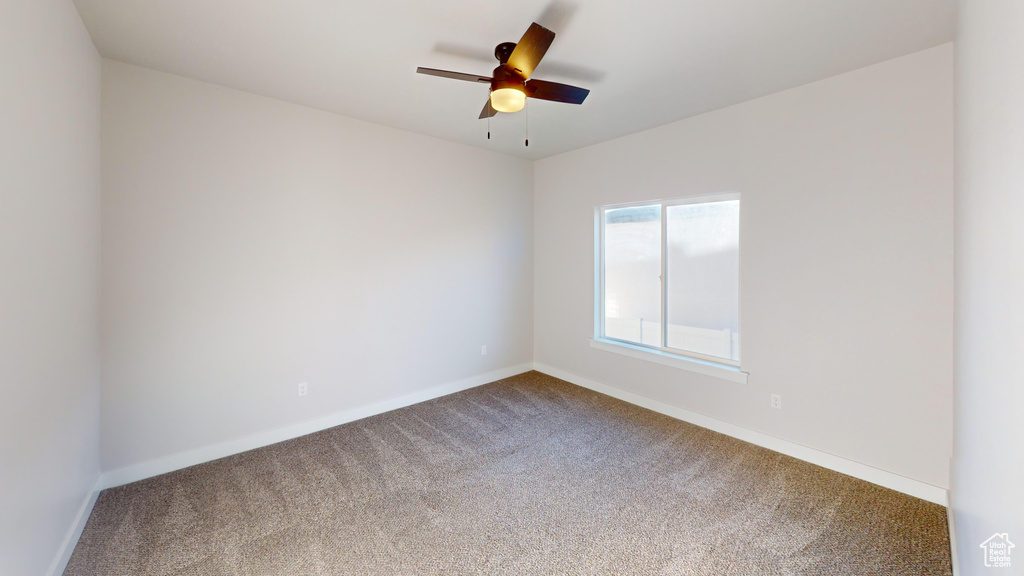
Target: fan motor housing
{"points": [[504, 77]]}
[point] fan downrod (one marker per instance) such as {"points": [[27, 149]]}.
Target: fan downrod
{"points": [[503, 51]]}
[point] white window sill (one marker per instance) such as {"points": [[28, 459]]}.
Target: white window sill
{"points": [[723, 371]]}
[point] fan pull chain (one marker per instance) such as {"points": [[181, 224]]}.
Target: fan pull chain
{"points": [[488, 127], [527, 125]]}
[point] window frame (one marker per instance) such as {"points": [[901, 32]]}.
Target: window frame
{"points": [[686, 359]]}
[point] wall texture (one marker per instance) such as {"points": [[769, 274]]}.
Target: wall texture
{"points": [[988, 467], [846, 260], [49, 279], [250, 245]]}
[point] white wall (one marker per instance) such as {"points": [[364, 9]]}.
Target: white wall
{"points": [[49, 273], [988, 470], [846, 260], [251, 244]]}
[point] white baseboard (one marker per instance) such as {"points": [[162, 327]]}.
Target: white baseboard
{"points": [[951, 518], [188, 458], [865, 472], [60, 562]]}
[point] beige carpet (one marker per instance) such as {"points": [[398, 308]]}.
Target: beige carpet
{"points": [[528, 475]]}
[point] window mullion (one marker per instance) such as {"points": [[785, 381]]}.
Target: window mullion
{"points": [[664, 277], [600, 269]]}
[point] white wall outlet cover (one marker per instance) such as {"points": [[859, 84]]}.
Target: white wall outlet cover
{"points": [[776, 401], [303, 389]]}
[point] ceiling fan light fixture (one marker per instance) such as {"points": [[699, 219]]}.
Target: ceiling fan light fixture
{"points": [[508, 99], [511, 79]]}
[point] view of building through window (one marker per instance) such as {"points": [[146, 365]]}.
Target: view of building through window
{"points": [[671, 275]]}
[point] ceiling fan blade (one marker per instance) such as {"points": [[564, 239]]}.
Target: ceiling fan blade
{"points": [[488, 111], [556, 92], [453, 75], [530, 49]]}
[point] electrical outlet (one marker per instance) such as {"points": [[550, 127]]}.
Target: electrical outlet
{"points": [[483, 350], [303, 389], [777, 401]]}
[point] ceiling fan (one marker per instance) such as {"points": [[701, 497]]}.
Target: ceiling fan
{"points": [[510, 84]]}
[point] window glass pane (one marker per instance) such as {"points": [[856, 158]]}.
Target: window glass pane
{"points": [[632, 274], [703, 278]]}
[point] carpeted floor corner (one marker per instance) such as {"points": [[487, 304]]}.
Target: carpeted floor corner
{"points": [[527, 475]]}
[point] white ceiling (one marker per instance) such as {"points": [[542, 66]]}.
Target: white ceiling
{"points": [[647, 62]]}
